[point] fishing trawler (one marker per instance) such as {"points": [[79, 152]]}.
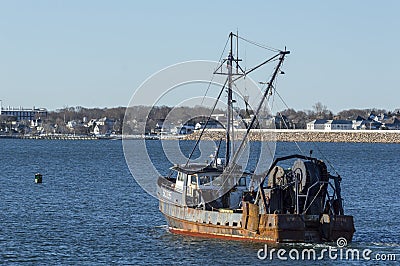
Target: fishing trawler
{"points": [[295, 199]]}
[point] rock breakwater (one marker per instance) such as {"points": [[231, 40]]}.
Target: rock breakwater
{"points": [[358, 136]]}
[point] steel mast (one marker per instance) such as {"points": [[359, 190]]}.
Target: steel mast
{"points": [[230, 109]]}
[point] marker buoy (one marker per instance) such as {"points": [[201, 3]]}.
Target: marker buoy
{"points": [[38, 178]]}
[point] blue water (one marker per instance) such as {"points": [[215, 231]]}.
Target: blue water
{"points": [[89, 210]]}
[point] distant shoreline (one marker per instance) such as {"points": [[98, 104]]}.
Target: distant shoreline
{"points": [[279, 135], [52, 137]]}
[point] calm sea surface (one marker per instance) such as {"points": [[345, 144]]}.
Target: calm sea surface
{"points": [[89, 209]]}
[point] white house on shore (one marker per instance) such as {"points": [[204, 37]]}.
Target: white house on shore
{"points": [[323, 124], [318, 124]]}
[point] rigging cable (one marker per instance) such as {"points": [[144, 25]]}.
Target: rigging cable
{"points": [[287, 127], [205, 126], [259, 45], [313, 142], [325, 158], [263, 98], [212, 77], [280, 114]]}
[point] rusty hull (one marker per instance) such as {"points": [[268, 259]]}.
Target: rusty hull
{"points": [[252, 226]]}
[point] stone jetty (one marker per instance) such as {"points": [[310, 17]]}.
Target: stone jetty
{"points": [[360, 136]]}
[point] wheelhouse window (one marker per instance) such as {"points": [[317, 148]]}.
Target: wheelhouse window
{"points": [[180, 177], [242, 181], [205, 180], [193, 179], [216, 181]]}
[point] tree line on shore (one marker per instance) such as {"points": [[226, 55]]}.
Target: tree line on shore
{"points": [[146, 117], [151, 115]]}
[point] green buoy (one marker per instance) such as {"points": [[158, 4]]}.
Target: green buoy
{"points": [[38, 178]]}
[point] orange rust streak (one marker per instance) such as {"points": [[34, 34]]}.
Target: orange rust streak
{"points": [[216, 236]]}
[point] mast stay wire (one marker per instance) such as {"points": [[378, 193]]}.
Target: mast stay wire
{"points": [[223, 51], [273, 89], [263, 98], [284, 122], [212, 77], [313, 142], [220, 58], [260, 45], [208, 120], [280, 114]]}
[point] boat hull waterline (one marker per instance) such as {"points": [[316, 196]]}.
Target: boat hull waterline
{"points": [[272, 228]]}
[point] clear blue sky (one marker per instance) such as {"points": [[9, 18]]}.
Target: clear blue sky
{"points": [[96, 53]]}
